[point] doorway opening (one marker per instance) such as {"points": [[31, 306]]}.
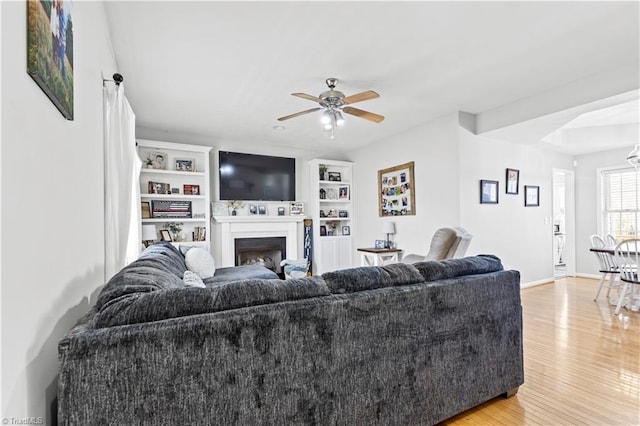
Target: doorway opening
{"points": [[563, 223]]}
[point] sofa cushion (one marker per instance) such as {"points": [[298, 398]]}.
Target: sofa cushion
{"points": [[191, 279], [370, 277], [173, 303], [159, 267], [442, 269], [236, 273], [200, 261]]}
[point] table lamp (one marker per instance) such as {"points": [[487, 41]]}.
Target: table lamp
{"points": [[389, 228], [149, 234]]}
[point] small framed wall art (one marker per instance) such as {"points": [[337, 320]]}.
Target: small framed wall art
{"points": [[513, 178], [531, 196], [489, 191], [346, 230], [396, 191], [165, 235]]}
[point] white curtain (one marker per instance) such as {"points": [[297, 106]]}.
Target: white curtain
{"points": [[121, 181]]}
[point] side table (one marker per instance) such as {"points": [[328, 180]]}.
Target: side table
{"points": [[378, 256]]}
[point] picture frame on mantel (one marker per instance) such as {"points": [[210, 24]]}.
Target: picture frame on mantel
{"points": [[396, 191], [50, 51]]}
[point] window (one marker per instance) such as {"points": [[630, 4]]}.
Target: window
{"points": [[620, 202]]}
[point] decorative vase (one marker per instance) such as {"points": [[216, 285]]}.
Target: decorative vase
{"points": [[234, 212]]}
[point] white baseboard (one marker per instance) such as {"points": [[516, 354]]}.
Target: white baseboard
{"points": [[536, 283], [594, 276]]}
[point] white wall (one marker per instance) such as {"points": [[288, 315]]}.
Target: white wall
{"points": [[450, 161], [522, 237], [52, 199], [587, 202], [434, 149]]}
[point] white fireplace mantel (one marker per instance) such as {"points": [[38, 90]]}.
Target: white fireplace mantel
{"points": [[232, 227]]}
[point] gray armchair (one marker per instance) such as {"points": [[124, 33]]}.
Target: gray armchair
{"points": [[447, 243]]}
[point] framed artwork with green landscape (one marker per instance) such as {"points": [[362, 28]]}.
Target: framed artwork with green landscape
{"points": [[50, 51]]}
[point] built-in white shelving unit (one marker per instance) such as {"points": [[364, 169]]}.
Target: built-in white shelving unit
{"points": [[331, 209], [183, 182]]}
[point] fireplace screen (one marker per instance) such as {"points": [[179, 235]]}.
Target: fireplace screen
{"points": [[268, 252]]}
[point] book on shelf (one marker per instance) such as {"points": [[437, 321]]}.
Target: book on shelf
{"points": [[199, 233]]}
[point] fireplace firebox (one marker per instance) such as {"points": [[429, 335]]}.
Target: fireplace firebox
{"points": [[267, 251]]}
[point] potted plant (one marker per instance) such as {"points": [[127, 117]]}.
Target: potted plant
{"points": [[148, 162], [234, 205], [174, 228]]}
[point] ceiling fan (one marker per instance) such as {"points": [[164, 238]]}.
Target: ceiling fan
{"points": [[334, 104]]}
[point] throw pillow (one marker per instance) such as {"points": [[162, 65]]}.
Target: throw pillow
{"points": [[200, 261], [191, 279]]}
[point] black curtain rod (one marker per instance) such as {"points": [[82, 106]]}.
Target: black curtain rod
{"points": [[117, 78]]}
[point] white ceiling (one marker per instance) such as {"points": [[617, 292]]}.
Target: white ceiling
{"points": [[224, 71]]}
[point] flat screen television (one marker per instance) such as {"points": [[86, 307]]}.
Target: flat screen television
{"points": [[256, 177]]}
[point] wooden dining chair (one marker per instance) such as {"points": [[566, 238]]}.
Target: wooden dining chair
{"points": [[627, 255], [610, 240], [608, 267]]}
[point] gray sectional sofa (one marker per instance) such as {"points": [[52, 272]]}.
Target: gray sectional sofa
{"points": [[394, 345]]}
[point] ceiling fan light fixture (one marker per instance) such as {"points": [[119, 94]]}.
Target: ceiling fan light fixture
{"points": [[339, 118], [326, 117]]}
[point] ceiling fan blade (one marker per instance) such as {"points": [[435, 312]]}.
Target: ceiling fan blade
{"points": [[359, 97], [286, 117], [309, 97], [363, 114]]}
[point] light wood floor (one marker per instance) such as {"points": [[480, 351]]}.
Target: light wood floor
{"points": [[581, 362]]}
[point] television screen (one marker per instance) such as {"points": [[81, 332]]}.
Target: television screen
{"points": [[256, 177]]}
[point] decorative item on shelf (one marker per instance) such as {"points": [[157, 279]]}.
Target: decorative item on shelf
{"points": [[165, 235], [175, 190], [199, 233], [159, 160], [174, 228], [145, 207], [234, 205], [322, 213], [158, 188], [332, 194], [331, 227], [296, 208], [185, 164], [332, 213], [281, 211], [323, 230], [388, 228], [343, 192], [171, 209], [149, 234], [262, 209], [323, 171], [346, 230], [335, 177], [148, 162], [253, 209], [191, 189], [380, 244], [323, 194], [343, 213]]}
